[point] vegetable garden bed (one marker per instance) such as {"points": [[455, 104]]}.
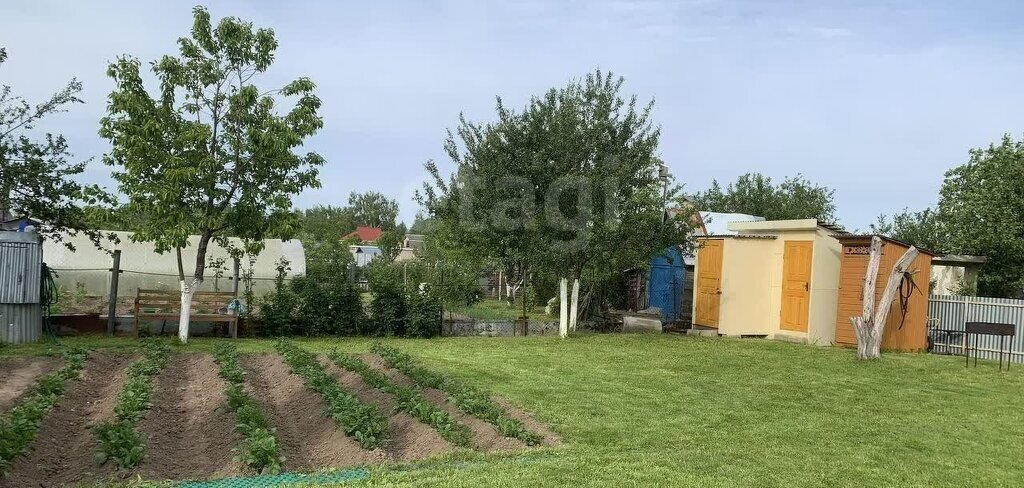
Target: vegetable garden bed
{"points": [[161, 415]]}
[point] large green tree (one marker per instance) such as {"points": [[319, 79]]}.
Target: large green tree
{"points": [[755, 194], [570, 183], [925, 229], [210, 154], [37, 178], [982, 205], [373, 209]]}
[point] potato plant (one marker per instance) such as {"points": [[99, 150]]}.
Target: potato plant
{"points": [[363, 422], [21, 424], [409, 400], [260, 451], [118, 440], [469, 399]]}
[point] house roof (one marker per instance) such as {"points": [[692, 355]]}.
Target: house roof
{"points": [[365, 234], [717, 223], [959, 260]]}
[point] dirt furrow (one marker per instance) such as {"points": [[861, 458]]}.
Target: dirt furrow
{"points": [[485, 437], [189, 431], [309, 441], [19, 375], [64, 451], [410, 438]]}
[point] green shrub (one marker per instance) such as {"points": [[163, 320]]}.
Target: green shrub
{"points": [[363, 422], [423, 318], [117, 438], [409, 400], [470, 400], [260, 450], [387, 312], [19, 426]]}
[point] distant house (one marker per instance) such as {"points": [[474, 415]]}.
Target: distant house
{"points": [[364, 234], [411, 246]]}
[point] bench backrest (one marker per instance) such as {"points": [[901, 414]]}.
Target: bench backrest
{"points": [[169, 301]]}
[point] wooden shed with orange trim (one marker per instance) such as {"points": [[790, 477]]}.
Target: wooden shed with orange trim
{"points": [[906, 327]]}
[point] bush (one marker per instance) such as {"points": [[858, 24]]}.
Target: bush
{"points": [[424, 314], [313, 305], [388, 310]]}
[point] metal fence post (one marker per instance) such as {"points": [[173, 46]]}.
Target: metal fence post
{"points": [[115, 272]]}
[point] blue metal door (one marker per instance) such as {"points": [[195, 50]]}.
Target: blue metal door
{"points": [[665, 283]]}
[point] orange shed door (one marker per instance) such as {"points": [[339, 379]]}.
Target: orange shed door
{"points": [[709, 283], [796, 285]]}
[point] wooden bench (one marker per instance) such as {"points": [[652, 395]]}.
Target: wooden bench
{"points": [[207, 306]]}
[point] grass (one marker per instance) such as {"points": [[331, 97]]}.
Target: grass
{"points": [[494, 309], [686, 411]]}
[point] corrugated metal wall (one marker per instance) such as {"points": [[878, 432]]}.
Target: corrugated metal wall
{"points": [[952, 312], [21, 258]]}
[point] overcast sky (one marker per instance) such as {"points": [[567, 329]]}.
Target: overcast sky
{"points": [[873, 98]]}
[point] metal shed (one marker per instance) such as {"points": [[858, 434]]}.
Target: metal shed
{"points": [[21, 260]]}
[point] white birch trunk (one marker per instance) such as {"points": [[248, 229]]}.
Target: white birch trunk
{"points": [[187, 290], [575, 304], [870, 326], [563, 308]]}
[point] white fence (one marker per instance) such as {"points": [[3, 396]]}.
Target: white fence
{"points": [[949, 313]]}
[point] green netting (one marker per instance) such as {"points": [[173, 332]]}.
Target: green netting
{"points": [[283, 479]]}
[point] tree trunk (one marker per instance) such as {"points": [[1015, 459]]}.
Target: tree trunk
{"points": [[870, 326], [187, 290], [575, 304]]}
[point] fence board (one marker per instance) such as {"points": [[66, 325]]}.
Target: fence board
{"points": [[953, 311]]}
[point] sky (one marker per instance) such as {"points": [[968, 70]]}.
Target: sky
{"points": [[875, 99]]}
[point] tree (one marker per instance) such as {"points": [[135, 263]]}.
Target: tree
{"points": [[373, 209], [421, 224], [755, 194], [982, 206], [390, 243], [570, 183], [36, 176], [210, 154], [325, 223], [925, 229]]}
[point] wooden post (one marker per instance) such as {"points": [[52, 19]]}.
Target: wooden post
{"points": [[115, 272], [574, 304], [871, 324], [235, 282], [563, 308]]}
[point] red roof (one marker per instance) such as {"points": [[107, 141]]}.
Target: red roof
{"points": [[365, 234]]}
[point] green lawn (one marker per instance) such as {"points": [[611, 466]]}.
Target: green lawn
{"points": [[668, 410]]}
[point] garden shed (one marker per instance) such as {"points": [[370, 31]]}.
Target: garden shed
{"points": [[774, 279], [906, 327]]}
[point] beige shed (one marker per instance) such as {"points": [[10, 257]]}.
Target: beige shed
{"points": [[776, 279]]}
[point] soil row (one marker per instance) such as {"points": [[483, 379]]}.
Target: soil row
{"points": [[19, 375], [189, 432]]}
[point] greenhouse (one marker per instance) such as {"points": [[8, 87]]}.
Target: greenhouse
{"points": [[85, 272]]}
